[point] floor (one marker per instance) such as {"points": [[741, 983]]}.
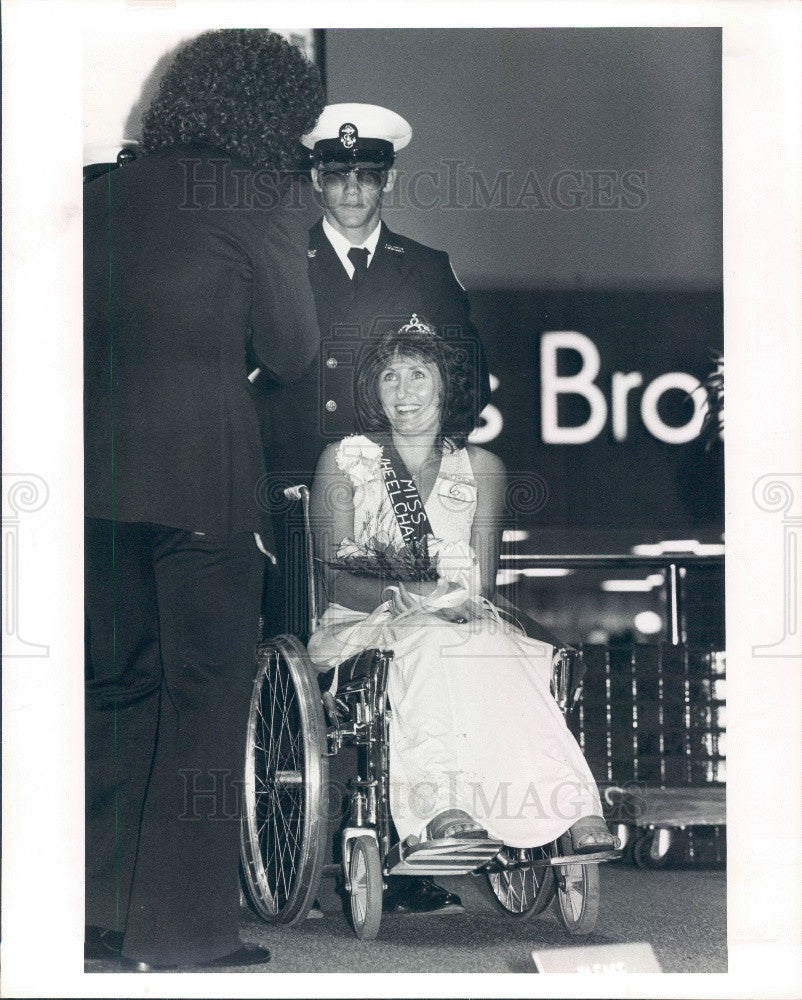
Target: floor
{"points": [[682, 913]]}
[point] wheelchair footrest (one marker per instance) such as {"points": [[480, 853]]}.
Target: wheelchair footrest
{"points": [[582, 859], [445, 856]]}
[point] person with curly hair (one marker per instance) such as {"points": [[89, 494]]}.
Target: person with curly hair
{"points": [[185, 272]]}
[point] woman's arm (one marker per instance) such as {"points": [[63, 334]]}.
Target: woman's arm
{"points": [[283, 320], [491, 482]]}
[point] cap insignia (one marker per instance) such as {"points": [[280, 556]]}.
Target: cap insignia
{"points": [[348, 135]]}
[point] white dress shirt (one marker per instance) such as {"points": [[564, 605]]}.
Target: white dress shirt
{"points": [[342, 246]]}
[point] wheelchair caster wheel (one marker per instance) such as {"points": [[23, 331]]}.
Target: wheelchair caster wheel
{"points": [[651, 850], [578, 893], [365, 875], [520, 891]]}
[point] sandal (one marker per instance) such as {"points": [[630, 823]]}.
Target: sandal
{"points": [[590, 835], [454, 823]]}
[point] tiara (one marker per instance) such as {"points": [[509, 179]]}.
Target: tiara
{"points": [[416, 325]]}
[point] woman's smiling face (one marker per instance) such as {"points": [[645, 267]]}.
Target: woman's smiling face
{"points": [[411, 394]]}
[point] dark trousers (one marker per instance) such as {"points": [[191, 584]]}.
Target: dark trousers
{"points": [[171, 629]]}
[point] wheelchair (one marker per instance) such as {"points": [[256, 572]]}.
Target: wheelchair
{"points": [[296, 724]]}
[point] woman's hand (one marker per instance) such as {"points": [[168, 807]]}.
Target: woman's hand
{"points": [[461, 614], [401, 599], [427, 587], [407, 597]]}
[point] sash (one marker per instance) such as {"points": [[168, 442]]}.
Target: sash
{"points": [[405, 499]]}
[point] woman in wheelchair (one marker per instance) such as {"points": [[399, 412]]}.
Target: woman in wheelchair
{"points": [[478, 746]]}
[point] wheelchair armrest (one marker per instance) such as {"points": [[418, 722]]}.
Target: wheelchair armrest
{"points": [[355, 668]]}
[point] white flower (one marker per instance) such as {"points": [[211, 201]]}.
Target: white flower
{"points": [[349, 548], [359, 458]]}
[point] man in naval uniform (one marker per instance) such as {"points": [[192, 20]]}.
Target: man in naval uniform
{"points": [[365, 280]]}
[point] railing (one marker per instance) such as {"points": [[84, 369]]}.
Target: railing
{"points": [[675, 564], [652, 713]]}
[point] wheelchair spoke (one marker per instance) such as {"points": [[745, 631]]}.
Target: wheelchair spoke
{"points": [[279, 783], [291, 838], [518, 889], [522, 890], [281, 852], [281, 838]]}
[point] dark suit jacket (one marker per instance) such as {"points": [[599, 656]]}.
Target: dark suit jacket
{"points": [[404, 277], [178, 279]]}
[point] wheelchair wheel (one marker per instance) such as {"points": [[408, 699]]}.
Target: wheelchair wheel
{"points": [[578, 893], [650, 850], [365, 876], [283, 827], [522, 892]]}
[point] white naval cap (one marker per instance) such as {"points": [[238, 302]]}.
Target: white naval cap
{"points": [[349, 132]]}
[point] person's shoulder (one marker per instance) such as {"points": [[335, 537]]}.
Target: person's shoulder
{"points": [[436, 263], [327, 462], [491, 477], [393, 240], [484, 462]]}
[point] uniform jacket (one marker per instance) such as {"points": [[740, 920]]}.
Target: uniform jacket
{"points": [[178, 278], [404, 277]]}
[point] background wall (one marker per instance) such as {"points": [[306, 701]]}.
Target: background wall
{"points": [[545, 101], [498, 117]]}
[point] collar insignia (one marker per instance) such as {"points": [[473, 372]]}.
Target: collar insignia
{"points": [[311, 253], [395, 249]]}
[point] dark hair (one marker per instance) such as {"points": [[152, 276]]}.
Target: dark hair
{"points": [[454, 362], [248, 92]]}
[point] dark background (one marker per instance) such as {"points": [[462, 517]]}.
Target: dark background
{"points": [[644, 283], [516, 108], [547, 100]]}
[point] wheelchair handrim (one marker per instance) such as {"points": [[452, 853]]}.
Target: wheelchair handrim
{"points": [[281, 896]]}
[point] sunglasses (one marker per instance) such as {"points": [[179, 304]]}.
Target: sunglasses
{"points": [[366, 177]]}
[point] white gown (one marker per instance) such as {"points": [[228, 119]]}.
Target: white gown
{"points": [[474, 725]]}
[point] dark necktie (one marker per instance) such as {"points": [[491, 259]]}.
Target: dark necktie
{"points": [[359, 258]]}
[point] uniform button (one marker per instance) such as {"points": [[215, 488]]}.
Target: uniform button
{"points": [[331, 406], [331, 363]]}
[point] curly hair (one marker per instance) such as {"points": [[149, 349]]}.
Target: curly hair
{"points": [[248, 92], [420, 343]]}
